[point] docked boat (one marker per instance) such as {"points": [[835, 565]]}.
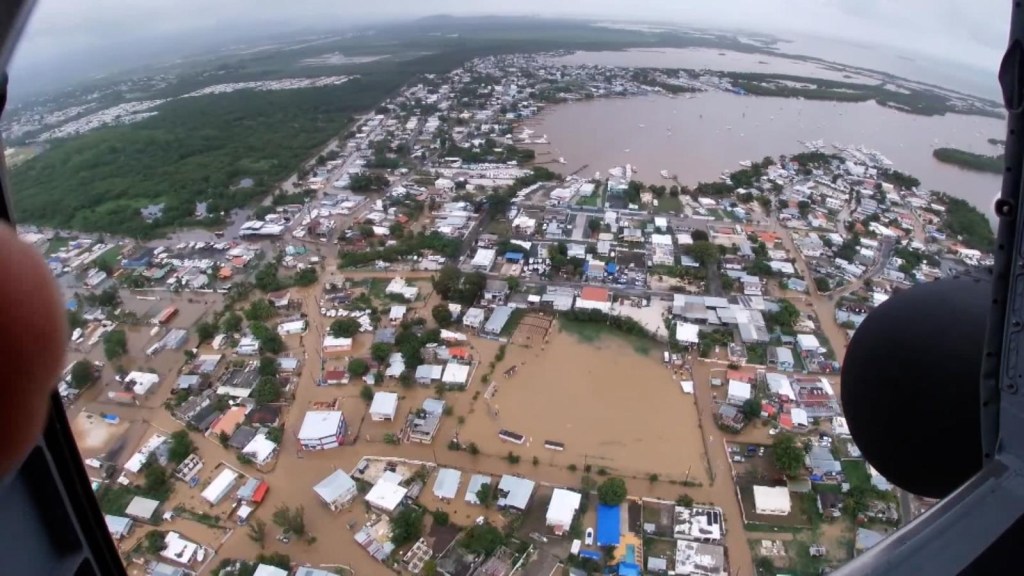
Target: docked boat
{"points": [[666, 174], [746, 163]]}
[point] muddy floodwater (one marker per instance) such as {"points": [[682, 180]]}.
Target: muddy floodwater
{"points": [[697, 138]]}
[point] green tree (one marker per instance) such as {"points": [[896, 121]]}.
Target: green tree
{"points": [[612, 491], [291, 520], [154, 541], [358, 367], [788, 455], [483, 539], [268, 366], [822, 284], [206, 331], [440, 517], [442, 315], [594, 225], [345, 327], [804, 207], [258, 532], [156, 482], [260, 310], [305, 277], [270, 341], [485, 495], [704, 252], [380, 351], [83, 373], [406, 526], [699, 236], [366, 393], [115, 344], [752, 408], [231, 323], [447, 281], [181, 446], [267, 390], [685, 500]]}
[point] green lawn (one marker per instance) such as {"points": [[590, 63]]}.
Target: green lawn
{"points": [[513, 321], [592, 200], [57, 244], [668, 203], [594, 331], [856, 472], [112, 256]]}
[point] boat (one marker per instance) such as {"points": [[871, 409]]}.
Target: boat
{"points": [[666, 174], [746, 163], [561, 160]]}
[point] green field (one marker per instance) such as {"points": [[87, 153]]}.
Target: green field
{"points": [[856, 473], [592, 332], [669, 203]]}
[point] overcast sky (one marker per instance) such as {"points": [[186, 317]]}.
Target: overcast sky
{"points": [[67, 35]]}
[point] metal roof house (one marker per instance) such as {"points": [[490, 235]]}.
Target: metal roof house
{"points": [[498, 319], [514, 492], [337, 490], [446, 483]]}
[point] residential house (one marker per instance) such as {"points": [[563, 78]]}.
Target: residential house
{"points": [[474, 318], [426, 421], [496, 323], [495, 290], [322, 429], [515, 492], [387, 494], [562, 509], [738, 392], [594, 298], [337, 490], [384, 406]]}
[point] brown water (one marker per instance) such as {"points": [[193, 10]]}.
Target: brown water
{"points": [[697, 138], [707, 59]]}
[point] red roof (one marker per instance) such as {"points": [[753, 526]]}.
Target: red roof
{"points": [[261, 492], [767, 409], [334, 375], [459, 352], [786, 421], [594, 294]]}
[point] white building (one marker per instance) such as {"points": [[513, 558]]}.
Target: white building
{"points": [[142, 382], [268, 570], [699, 559], [807, 343], [484, 259], [261, 450], [446, 484], [514, 492], [594, 298], [337, 490], [220, 486], [386, 495], [322, 429], [562, 509], [248, 346], [455, 375], [687, 333], [384, 406], [739, 392], [772, 500], [290, 328], [474, 318]]}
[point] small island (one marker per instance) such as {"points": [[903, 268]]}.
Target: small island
{"points": [[970, 160]]}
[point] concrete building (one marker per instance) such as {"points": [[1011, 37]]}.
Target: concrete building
{"points": [[322, 430], [384, 406], [594, 298], [337, 490], [562, 509], [772, 501]]}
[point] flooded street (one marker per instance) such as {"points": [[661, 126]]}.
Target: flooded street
{"points": [[697, 138]]}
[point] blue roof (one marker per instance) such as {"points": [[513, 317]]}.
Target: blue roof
{"points": [[513, 256], [628, 569], [608, 521], [611, 267], [72, 304], [592, 554]]}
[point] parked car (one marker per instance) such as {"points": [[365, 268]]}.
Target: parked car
{"points": [[760, 451], [589, 539], [738, 458]]}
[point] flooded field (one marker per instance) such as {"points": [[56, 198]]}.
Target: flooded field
{"points": [[611, 408], [697, 138], [708, 59]]}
